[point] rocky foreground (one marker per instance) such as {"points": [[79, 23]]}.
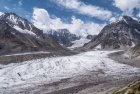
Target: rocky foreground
{"points": [[130, 89]]}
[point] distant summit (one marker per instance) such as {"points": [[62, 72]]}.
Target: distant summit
{"points": [[63, 36]]}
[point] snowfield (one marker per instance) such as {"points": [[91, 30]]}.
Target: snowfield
{"points": [[79, 43], [49, 70]]}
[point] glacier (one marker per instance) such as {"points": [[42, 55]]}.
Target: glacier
{"points": [[49, 70]]}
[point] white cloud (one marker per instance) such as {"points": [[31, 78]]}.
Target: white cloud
{"points": [[20, 3], [85, 9], [127, 6], [78, 26], [113, 19], [7, 8], [44, 21]]}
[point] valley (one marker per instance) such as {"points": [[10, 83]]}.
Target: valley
{"points": [[90, 72], [45, 54]]}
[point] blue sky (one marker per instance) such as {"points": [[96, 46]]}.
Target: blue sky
{"points": [[25, 7], [68, 12]]}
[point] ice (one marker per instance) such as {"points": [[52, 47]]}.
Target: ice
{"points": [[53, 69], [79, 43]]}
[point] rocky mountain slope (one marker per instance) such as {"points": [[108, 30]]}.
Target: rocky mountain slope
{"points": [[19, 35], [120, 34], [134, 52], [68, 39], [130, 89], [63, 36], [91, 37]]}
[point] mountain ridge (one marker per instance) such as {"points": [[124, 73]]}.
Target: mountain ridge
{"points": [[120, 34], [63, 36], [18, 35]]}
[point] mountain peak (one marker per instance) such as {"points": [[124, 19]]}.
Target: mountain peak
{"points": [[120, 34], [129, 19], [10, 13], [14, 20], [18, 34]]}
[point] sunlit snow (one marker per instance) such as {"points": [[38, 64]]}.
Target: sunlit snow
{"points": [[56, 68]]}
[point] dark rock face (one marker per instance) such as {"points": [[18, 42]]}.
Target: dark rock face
{"points": [[63, 36], [134, 51], [120, 34], [14, 41], [91, 37]]}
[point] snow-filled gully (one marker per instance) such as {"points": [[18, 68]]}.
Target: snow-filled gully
{"points": [[54, 69]]}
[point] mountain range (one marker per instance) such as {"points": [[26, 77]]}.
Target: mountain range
{"points": [[19, 35], [26, 47], [63, 37]]}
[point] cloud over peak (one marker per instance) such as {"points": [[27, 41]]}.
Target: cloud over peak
{"points": [[127, 6], [44, 21]]}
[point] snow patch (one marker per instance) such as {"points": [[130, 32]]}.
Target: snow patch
{"points": [[79, 43], [137, 31], [125, 21], [24, 31], [12, 19], [98, 47]]}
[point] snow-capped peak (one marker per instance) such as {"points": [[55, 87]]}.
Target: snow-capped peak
{"points": [[12, 19], [20, 23]]}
